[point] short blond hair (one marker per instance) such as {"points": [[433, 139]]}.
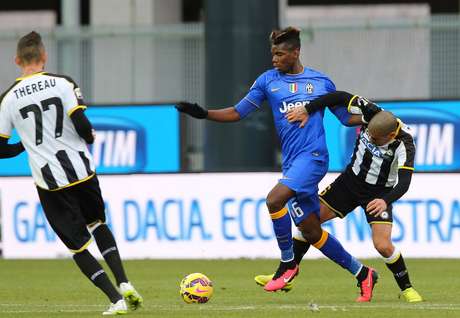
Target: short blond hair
{"points": [[30, 48], [383, 123]]}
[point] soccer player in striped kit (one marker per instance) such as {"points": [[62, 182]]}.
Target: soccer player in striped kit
{"points": [[305, 158], [378, 174], [47, 111]]}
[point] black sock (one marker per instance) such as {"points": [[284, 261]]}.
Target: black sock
{"points": [[108, 248], [93, 270], [400, 273], [362, 274], [300, 249], [283, 266]]}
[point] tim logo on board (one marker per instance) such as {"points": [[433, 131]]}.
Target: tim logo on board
{"points": [[120, 145], [436, 133]]}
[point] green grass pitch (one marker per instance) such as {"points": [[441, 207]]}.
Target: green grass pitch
{"points": [[56, 288]]}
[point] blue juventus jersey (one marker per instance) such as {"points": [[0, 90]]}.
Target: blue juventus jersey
{"points": [[283, 92]]}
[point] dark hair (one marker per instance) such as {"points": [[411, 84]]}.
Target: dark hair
{"points": [[289, 35], [30, 48]]}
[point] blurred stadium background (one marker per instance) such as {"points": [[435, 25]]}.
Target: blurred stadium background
{"points": [[180, 188]]}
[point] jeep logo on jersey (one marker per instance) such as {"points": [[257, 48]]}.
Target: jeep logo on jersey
{"points": [[309, 88], [119, 145], [287, 106], [436, 134], [293, 88]]}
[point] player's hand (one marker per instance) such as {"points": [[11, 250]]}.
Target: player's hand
{"points": [[376, 207], [368, 108], [194, 110], [369, 111], [93, 132], [297, 114]]}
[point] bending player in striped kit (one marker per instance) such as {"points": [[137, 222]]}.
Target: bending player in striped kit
{"points": [[378, 174]]}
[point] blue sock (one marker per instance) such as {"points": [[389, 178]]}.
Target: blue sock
{"points": [[329, 246], [283, 231]]}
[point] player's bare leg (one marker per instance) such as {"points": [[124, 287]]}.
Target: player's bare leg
{"points": [[381, 237]]}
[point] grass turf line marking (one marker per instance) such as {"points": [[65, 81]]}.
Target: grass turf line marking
{"points": [[40, 308]]}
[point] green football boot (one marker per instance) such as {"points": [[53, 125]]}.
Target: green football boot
{"points": [[411, 295]]}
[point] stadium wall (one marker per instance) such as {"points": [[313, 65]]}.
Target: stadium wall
{"points": [[130, 139], [434, 125], [224, 216]]}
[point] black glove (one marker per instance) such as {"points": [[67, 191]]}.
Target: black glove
{"points": [[368, 108], [193, 110]]}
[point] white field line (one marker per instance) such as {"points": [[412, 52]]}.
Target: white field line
{"points": [[31, 308]]}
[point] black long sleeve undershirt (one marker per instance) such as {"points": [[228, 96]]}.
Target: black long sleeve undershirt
{"points": [[338, 98], [331, 99], [404, 179], [82, 125], [9, 150]]}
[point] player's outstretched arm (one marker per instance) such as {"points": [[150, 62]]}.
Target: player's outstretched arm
{"points": [[361, 109], [9, 150], [228, 114], [194, 110], [301, 114], [333, 99], [354, 103]]}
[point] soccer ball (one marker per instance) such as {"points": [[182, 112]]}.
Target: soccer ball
{"points": [[196, 288]]}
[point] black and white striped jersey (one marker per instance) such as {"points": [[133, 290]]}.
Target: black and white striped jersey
{"points": [[379, 165], [39, 108]]}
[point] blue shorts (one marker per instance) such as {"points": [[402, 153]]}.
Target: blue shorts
{"points": [[303, 177]]}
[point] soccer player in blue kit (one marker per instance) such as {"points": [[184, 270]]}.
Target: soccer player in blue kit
{"points": [[305, 157]]}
